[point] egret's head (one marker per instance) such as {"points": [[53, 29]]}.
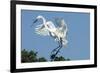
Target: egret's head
{"points": [[39, 17], [35, 20]]}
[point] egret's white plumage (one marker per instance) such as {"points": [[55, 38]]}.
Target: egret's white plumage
{"points": [[47, 28], [59, 33], [62, 32]]}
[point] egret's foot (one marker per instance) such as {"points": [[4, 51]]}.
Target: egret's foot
{"points": [[52, 56]]}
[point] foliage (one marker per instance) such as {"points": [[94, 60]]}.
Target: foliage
{"points": [[28, 56], [59, 58], [68, 59], [31, 56], [42, 59]]}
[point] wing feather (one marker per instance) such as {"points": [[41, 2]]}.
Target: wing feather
{"points": [[41, 30]]}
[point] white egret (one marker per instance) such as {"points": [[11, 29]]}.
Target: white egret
{"points": [[47, 28]]}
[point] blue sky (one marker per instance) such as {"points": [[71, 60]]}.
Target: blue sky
{"points": [[78, 34]]}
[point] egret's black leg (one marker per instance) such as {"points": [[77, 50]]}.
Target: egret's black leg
{"points": [[53, 53], [57, 51], [59, 47]]}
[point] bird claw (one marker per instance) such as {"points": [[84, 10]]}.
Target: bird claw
{"points": [[52, 56]]}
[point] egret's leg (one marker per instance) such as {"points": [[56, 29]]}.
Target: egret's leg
{"points": [[53, 53], [54, 50], [58, 49]]}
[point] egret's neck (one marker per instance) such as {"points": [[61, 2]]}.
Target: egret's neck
{"points": [[43, 19]]}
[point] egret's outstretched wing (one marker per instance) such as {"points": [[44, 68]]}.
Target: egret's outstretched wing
{"points": [[41, 30], [61, 23], [62, 26], [57, 21], [62, 30], [65, 31], [65, 27]]}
